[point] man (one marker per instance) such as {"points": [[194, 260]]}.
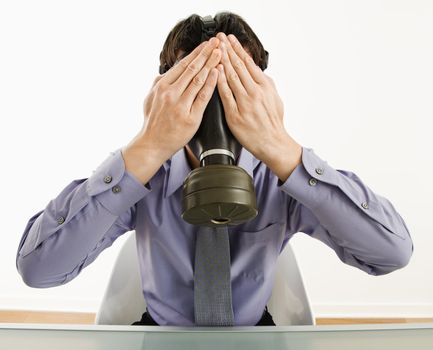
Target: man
{"points": [[139, 188]]}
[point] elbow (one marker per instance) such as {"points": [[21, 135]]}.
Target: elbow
{"points": [[402, 256], [401, 248], [32, 275], [397, 258], [401, 251], [29, 279], [28, 273]]}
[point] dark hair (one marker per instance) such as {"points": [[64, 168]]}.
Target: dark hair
{"points": [[186, 36]]}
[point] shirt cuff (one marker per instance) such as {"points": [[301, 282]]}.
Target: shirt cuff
{"points": [[305, 181], [114, 187]]}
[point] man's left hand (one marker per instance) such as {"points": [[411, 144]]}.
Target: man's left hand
{"points": [[253, 109]]}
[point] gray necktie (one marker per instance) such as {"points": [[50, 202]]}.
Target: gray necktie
{"points": [[212, 285]]}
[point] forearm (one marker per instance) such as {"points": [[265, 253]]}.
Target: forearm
{"points": [[78, 224], [336, 207], [61, 256]]}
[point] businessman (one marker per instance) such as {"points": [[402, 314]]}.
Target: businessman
{"points": [[139, 187]]}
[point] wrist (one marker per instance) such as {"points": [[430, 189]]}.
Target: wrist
{"points": [[142, 159], [153, 150], [283, 157]]}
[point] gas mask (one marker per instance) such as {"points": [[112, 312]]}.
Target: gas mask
{"points": [[218, 192]]}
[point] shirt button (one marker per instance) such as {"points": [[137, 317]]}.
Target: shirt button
{"points": [[116, 189], [312, 182], [364, 205], [319, 171], [107, 179], [60, 220]]}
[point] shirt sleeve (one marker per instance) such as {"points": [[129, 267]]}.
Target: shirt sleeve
{"points": [[77, 225], [336, 207]]}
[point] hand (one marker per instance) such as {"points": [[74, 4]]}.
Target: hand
{"points": [[173, 110], [254, 110], [174, 107]]}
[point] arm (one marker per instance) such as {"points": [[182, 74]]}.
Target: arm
{"points": [[362, 227], [332, 205], [89, 214]]}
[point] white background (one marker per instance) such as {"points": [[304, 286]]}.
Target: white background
{"points": [[356, 78]]}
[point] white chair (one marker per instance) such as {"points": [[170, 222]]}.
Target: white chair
{"points": [[123, 302]]}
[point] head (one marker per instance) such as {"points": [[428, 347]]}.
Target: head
{"points": [[186, 36]]}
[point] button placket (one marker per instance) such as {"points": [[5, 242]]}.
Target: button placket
{"points": [[60, 220]]}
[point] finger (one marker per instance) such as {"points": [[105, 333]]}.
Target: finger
{"points": [[239, 66], [199, 80], [254, 70], [148, 104], [148, 101], [195, 66], [205, 94], [232, 77], [226, 94], [158, 78], [174, 72]]}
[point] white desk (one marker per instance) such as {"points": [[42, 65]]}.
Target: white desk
{"points": [[92, 337]]}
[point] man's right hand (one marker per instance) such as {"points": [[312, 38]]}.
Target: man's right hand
{"points": [[173, 110]]}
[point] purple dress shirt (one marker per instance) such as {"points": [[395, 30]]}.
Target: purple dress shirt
{"points": [[334, 206]]}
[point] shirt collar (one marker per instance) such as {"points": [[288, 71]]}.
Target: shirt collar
{"points": [[178, 168]]}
